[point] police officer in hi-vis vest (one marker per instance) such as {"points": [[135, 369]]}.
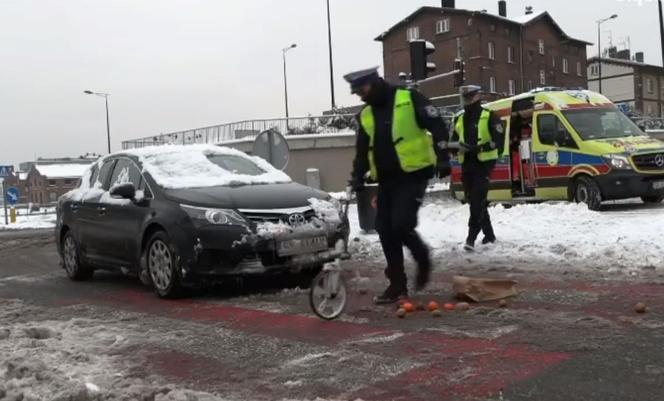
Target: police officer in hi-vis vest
{"points": [[397, 131], [481, 135]]}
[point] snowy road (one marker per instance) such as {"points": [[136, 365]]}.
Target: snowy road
{"points": [[112, 339]]}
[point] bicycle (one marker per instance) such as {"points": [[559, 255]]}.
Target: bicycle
{"points": [[328, 293]]}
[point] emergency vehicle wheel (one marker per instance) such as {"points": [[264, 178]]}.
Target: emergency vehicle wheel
{"points": [[328, 294], [587, 191], [652, 199]]}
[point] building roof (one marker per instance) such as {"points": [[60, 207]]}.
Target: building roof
{"points": [[618, 61], [61, 170], [522, 20]]}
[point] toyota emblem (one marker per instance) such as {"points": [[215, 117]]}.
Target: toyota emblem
{"points": [[659, 160], [296, 219]]}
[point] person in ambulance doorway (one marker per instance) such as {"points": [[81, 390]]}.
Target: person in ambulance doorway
{"points": [[401, 142], [481, 135]]}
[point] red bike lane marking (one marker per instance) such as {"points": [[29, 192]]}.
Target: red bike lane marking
{"points": [[493, 366]]}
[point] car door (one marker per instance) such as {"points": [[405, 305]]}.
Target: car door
{"points": [[91, 217], [124, 218], [554, 153]]}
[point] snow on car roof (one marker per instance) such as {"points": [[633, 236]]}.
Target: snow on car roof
{"points": [[177, 166], [71, 170]]}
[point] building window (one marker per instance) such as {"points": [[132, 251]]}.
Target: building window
{"points": [[443, 26], [594, 70], [530, 85], [512, 87], [578, 69], [650, 86], [459, 48], [492, 51], [69, 181], [493, 28], [541, 46], [510, 54], [565, 66], [530, 56], [53, 197], [51, 183], [413, 33], [492, 84], [542, 77], [553, 61]]}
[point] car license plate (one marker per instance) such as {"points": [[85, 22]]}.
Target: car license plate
{"points": [[301, 246], [658, 184]]}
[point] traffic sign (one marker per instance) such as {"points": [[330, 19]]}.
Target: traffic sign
{"points": [[6, 171], [13, 195], [273, 147]]}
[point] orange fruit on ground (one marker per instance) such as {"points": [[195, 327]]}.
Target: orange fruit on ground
{"points": [[408, 307], [640, 307], [401, 313], [449, 306], [502, 303], [436, 313], [433, 305]]}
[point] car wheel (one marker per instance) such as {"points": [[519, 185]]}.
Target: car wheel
{"points": [[162, 259], [587, 191], [652, 199], [71, 260]]}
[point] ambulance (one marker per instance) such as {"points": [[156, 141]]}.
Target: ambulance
{"points": [[572, 145]]}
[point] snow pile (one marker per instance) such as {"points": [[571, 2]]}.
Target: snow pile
{"points": [[176, 167], [76, 359], [327, 218], [628, 239], [327, 211], [30, 221]]}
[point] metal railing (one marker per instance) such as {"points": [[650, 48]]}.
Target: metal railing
{"points": [[247, 130]]}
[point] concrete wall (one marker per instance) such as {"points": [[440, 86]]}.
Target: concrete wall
{"points": [[331, 154]]}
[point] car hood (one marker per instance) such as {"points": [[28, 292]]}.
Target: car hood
{"points": [[632, 144], [266, 196]]}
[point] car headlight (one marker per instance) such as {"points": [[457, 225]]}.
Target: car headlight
{"points": [[215, 217], [618, 162]]}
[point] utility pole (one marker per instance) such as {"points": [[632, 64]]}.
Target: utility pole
{"points": [[599, 45], [661, 29], [329, 40]]}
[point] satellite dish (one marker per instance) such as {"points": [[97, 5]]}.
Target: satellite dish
{"points": [[273, 147]]}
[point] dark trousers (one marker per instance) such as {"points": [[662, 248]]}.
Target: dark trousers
{"points": [[476, 178], [396, 219]]}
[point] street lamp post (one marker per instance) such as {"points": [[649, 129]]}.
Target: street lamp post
{"points": [[108, 122], [283, 52], [599, 45]]}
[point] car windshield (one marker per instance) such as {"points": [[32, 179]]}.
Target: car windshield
{"points": [[601, 124], [236, 164]]}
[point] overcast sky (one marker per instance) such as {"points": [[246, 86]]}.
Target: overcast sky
{"points": [[172, 65]]}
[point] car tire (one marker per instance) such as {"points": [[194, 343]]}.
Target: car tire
{"points": [[652, 199], [162, 258], [587, 191], [71, 259]]}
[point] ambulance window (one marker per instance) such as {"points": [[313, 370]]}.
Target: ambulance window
{"points": [[553, 132]]}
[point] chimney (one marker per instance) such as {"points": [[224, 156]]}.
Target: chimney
{"points": [[639, 57], [529, 10], [502, 8], [624, 55], [448, 3]]}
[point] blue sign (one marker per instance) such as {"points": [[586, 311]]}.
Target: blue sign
{"points": [[13, 195], [6, 171]]}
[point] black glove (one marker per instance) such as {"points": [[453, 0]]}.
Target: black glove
{"points": [[356, 184], [487, 147], [444, 168]]}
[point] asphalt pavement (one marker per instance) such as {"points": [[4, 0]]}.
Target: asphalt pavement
{"points": [[565, 337]]}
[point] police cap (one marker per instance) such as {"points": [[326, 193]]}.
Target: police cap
{"points": [[360, 78], [470, 90]]}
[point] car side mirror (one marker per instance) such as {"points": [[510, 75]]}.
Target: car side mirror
{"points": [[124, 191]]}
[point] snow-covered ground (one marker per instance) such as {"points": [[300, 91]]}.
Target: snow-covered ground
{"points": [[30, 221], [624, 238]]}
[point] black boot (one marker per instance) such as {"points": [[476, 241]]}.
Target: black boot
{"points": [[469, 246], [423, 275], [391, 295], [489, 240]]}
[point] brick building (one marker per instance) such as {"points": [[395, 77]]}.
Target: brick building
{"points": [[503, 55], [632, 83], [46, 183]]}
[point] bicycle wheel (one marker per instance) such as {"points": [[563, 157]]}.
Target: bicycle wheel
{"points": [[327, 295]]}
